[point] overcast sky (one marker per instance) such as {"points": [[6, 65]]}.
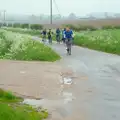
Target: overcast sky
{"points": [[79, 7]]}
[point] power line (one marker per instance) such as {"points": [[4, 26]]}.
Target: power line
{"points": [[51, 11], [57, 7]]}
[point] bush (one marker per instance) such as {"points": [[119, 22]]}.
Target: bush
{"points": [[16, 25], [117, 27], [9, 25], [36, 26], [24, 25], [80, 27], [21, 47], [4, 24], [108, 27]]}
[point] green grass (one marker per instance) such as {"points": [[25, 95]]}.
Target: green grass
{"points": [[24, 31], [10, 109], [28, 31], [7, 96], [102, 40], [16, 46]]}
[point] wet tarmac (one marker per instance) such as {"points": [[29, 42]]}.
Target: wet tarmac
{"points": [[103, 73], [97, 97]]}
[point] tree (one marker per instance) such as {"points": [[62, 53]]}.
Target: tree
{"points": [[72, 16]]}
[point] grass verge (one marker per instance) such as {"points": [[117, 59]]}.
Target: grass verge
{"points": [[101, 40], [23, 31], [10, 109], [16, 46]]}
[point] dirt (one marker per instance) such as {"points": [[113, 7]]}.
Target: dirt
{"points": [[37, 79]]}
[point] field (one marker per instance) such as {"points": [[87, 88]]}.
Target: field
{"points": [[11, 109], [102, 40], [84, 22], [16, 46]]}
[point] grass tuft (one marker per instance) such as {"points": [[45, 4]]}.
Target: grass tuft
{"points": [[12, 109]]}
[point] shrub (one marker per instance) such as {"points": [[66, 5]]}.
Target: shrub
{"points": [[4, 24], [80, 27], [36, 26], [24, 25], [117, 27], [108, 27], [16, 25], [9, 25]]}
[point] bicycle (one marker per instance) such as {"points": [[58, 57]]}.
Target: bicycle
{"points": [[68, 45]]}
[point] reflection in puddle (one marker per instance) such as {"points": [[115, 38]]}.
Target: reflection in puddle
{"points": [[66, 81], [68, 97], [34, 102]]}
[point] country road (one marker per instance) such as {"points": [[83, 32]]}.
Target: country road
{"points": [[98, 97], [92, 93]]}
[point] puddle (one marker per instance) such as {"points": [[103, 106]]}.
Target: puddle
{"points": [[34, 102], [68, 97], [66, 80]]}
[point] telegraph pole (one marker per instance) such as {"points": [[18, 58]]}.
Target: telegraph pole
{"points": [[51, 12], [4, 19]]}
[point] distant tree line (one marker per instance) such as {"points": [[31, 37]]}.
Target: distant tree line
{"points": [[79, 27], [28, 26], [76, 27]]}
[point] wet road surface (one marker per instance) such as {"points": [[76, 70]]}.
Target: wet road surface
{"points": [[97, 97]]}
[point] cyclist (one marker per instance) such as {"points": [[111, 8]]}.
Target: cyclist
{"points": [[58, 35], [44, 33], [63, 35], [50, 36], [72, 36], [68, 36]]}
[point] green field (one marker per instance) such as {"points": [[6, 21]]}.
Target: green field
{"points": [[16, 46], [11, 109], [101, 40], [24, 31]]}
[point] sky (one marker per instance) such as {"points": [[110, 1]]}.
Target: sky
{"points": [[79, 7]]}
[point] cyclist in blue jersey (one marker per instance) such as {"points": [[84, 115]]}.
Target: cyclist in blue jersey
{"points": [[68, 37], [58, 35]]}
